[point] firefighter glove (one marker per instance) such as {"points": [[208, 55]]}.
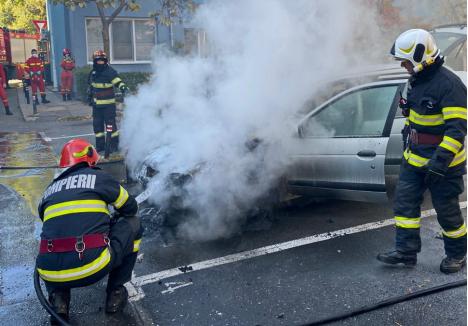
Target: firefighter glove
{"points": [[123, 88]]}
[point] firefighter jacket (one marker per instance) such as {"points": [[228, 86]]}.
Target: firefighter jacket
{"points": [[75, 204], [437, 106], [68, 64], [34, 66], [101, 86]]}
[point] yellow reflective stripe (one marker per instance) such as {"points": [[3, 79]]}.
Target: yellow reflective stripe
{"points": [[426, 120], [414, 159], [116, 80], [454, 112], [82, 153], [115, 134], [99, 134], [451, 144], [460, 157], [122, 199], [78, 272], [460, 232], [75, 206], [136, 245], [408, 222], [110, 101], [407, 122], [102, 85]]}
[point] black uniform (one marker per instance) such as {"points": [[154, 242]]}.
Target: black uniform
{"points": [[76, 204], [437, 119], [101, 88]]}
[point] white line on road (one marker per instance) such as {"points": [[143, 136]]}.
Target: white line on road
{"points": [[139, 281]]}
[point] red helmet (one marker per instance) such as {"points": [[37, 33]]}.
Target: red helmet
{"points": [[66, 51], [76, 151]]}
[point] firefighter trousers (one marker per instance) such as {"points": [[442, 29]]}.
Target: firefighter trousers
{"points": [[103, 120], [37, 82], [3, 96], [125, 236], [407, 208], [66, 81]]}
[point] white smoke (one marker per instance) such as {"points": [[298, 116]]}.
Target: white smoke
{"points": [[268, 58]]}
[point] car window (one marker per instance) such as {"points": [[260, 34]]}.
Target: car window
{"points": [[362, 113], [456, 58], [445, 39]]}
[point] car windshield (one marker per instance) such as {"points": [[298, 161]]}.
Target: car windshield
{"points": [[444, 40]]}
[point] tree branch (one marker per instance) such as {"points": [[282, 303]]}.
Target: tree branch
{"points": [[117, 11]]}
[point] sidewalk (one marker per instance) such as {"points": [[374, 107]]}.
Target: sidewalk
{"points": [[57, 109]]}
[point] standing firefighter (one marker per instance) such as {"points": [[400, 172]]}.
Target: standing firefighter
{"points": [[3, 93], [35, 68], [80, 242], [102, 80], [66, 78], [435, 156]]}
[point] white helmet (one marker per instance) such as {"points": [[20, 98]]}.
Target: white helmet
{"points": [[417, 46]]}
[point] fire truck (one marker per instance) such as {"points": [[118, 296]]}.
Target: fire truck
{"points": [[15, 49]]}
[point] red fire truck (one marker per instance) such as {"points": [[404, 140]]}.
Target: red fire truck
{"points": [[15, 49]]}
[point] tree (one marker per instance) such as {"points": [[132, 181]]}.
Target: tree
{"points": [[168, 11], [18, 14]]}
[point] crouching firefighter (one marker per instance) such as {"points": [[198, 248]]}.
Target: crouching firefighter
{"points": [[101, 96], [80, 242], [434, 157]]}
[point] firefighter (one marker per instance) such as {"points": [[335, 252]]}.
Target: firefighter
{"points": [[35, 68], [3, 94], [66, 77], [101, 96], [80, 241], [435, 156]]}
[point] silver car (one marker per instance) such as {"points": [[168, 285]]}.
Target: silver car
{"points": [[451, 39], [350, 147]]}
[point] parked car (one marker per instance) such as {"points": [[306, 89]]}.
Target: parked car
{"points": [[350, 147], [451, 39]]}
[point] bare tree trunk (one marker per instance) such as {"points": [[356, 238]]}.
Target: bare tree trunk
{"points": [[106, 23], [105, 37]]}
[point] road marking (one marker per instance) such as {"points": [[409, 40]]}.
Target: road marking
{"points": [[139, 281], [178, 285], [49, 139]]}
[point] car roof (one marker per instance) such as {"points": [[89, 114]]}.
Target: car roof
{"points": [[370, 73], [450, 28]]}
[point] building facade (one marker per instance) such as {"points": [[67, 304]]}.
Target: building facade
{"points": [[133, 37]]}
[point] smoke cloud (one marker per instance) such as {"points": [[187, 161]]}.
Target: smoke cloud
{"points": [[268, 57]]}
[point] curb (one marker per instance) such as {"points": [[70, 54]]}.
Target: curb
{"points": [[22, 106]]}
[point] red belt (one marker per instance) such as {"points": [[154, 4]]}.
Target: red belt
{"points": [[424, 139], [78, 244]]}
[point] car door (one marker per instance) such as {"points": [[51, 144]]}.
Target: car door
{"points": [[340, 151]]}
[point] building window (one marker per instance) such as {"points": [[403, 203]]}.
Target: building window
{"points": [[195, 42], [131, 40]]}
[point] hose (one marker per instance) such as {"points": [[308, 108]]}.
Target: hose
{"points": [[45, 304], [389, 302], [49, 166]]}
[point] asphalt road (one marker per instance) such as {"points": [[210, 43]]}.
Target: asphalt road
{"points": [[289, 268]]}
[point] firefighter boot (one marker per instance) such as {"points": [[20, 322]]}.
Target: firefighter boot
{"points": [[69, 97], [64, 97], [60, 302], [44, 100], [116, 300], [396, 257], [452, 265], [35, 99], [7, 110]]}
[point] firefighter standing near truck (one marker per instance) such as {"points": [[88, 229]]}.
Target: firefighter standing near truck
{"points": [[434, 157], [66, 77], [35, 68], [80, 242], [101, 96], [3, 93]]}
